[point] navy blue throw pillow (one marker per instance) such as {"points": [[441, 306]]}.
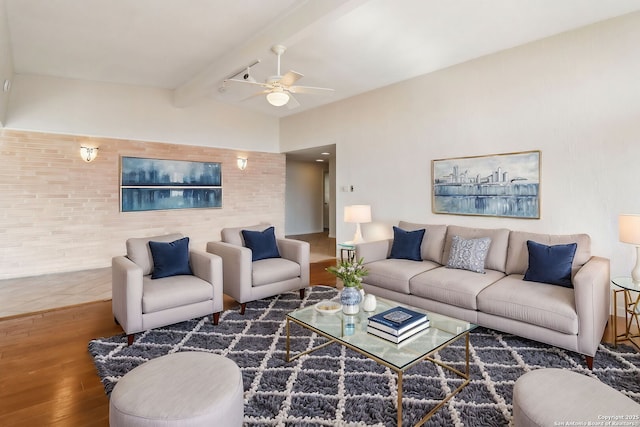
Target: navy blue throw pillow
{"points": [[550, 264], [406, 244], [262, 243], [170, 258]]}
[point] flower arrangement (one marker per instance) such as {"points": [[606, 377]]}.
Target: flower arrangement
{"points": [[350, 272]]}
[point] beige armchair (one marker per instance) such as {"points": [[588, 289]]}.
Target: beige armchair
{"points": [[140, 303], [247, 280]]}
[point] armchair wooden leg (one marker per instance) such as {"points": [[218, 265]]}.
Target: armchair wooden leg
{"points": [[243, 305], [302, 293], [216, 318], [589, 360], [130, 338]]}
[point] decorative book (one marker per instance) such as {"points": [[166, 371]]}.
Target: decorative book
{"points": [[398, 338], [397, 320]]}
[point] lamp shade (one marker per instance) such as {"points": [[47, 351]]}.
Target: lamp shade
{"points": [[357, 213], [629, 229]]}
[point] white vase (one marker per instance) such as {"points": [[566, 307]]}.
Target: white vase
{"points": [[369, 303]]}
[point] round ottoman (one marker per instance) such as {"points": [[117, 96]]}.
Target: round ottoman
{"points": [[186, 389], [553, 397]]}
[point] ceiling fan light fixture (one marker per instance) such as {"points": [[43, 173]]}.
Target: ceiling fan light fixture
{"points": [[278, 99]]}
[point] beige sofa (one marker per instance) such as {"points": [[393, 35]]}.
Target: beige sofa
{"points": [[569, 318]]}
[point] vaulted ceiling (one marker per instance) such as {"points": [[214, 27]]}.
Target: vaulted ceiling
{"points": [[352, 46]]}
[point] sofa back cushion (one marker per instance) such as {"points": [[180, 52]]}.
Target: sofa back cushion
{"points": [[432, 242], [234, 236], [518, 254], [139, 252], [497, 255]]}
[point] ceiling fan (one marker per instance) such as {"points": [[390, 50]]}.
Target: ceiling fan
{"points": [[278, 89]]}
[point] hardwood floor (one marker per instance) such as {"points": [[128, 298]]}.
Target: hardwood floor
{"points": [[47, 377]]}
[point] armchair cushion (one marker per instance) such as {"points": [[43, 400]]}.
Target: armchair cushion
{"points": [[550, 264], [262, 243], [170, 258], [272, 270], [170, 292]]}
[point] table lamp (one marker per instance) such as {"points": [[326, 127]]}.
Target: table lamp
{"points": [[358, 214], [629, 232]]}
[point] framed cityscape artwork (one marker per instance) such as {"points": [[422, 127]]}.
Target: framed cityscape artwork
{"points": [[155, 184], [503, 185]]}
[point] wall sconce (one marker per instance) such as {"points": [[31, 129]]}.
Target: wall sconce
{"points": [[242, 163], [88, 154]]}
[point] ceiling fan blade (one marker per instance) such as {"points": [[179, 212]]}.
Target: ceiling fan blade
{"points": [[262, 92], [293, 103], [290, 78], [247, 82], [310, 89]]}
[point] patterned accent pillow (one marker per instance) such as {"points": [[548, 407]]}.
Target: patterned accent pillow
{"points": [[468, 254]]}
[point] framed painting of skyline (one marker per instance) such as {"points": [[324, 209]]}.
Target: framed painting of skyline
{"points": [[156, 184], [502, 185]]}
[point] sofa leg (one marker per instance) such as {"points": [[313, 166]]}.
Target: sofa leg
{"points": [[302, 293], [243, 305], [216, 318], [130, 338], [589, 360]]}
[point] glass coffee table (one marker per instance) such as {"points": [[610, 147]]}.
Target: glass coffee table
{"points": [[351, 331]]}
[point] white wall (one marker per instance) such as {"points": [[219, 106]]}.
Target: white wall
{"points": [[303, 198], [575, 97], [78, 107], [6, 62]]}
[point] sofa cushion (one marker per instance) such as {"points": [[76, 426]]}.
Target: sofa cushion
{"points": [[548, 306], [394, 274], [170, 258], [497, 255], [272, 270], [454, 287], [550, 264], [468, 254], [518, 255], [262, 243], [406, 244], [139, 252], [433, 241], [176, 291], [233, 235]]}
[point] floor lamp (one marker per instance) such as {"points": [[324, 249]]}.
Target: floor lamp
{"points": [[629, 232], [357, 214]]}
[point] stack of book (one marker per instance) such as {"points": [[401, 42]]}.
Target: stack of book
{"points": [[397, 324]]}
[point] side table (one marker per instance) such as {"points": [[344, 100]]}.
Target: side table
{"points": [[631, 309], [349, 249]]}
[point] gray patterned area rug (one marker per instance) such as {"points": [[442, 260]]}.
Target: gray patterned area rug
{"points": [[335, 386]]}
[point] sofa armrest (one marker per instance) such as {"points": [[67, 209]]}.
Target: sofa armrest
{"points": [[126, 291], [208, 267], [592, 291], [373, 251], [298, 252], [236, 269]]}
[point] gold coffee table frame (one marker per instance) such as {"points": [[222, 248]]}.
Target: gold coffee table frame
{"points": [[442, 332]]}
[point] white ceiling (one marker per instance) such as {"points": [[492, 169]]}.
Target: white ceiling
{"points": [[352, 46]]}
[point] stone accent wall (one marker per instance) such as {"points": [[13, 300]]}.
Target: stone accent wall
{"points": [[59, 213]]}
